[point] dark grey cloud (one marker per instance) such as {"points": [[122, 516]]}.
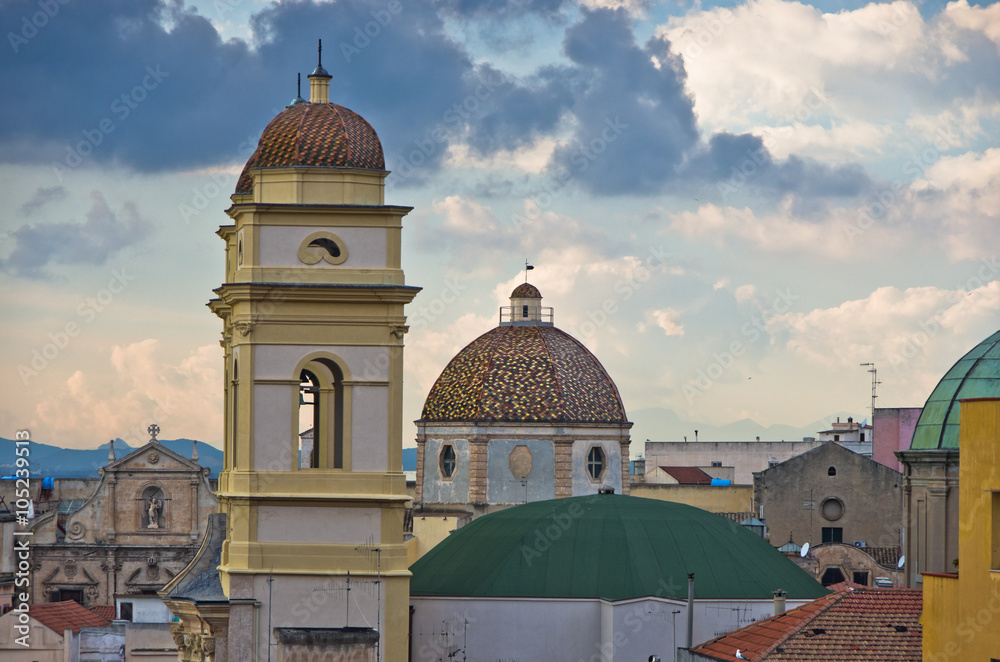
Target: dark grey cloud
{"points": [[494, 10], [105, 82], [42, 197], [103, 234], [635, 120], [149, 85], [741, 163]]}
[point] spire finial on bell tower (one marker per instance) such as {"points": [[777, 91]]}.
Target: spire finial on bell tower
{"points": [[298, 93], [319, 80]]}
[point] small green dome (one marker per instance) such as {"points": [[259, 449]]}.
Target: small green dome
{"points": [[610, 547], [975, 375]]}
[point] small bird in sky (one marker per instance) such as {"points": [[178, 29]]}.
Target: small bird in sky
{"points": [[741, 656]]}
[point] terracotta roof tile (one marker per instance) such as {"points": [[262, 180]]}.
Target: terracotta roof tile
{"points": [[884, 556], [689, 475], [525, 291], [318, 135], [852, 625], [104, 611], [66, 615]]}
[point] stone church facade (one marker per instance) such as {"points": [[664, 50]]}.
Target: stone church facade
{"points": [[141, 526]]}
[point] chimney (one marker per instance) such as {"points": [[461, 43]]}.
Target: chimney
{"points": [[850, 419], [838, 419], [779, 602], [696, 435], [758, 438]]}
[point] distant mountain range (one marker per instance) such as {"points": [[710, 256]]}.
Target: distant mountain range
{"points": [[654, 424], [59, 462]]}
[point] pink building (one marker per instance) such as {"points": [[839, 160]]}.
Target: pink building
{"points": [[893, 431]]}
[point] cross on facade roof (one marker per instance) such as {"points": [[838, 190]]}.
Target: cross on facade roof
{"points": [[153, 430]]}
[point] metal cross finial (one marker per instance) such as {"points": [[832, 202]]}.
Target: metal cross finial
{"points": [[320, 61], [298, 88], [153, 430]]}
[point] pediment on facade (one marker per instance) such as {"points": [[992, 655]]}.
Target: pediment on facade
{"points": [[151, 577], [153, 457]]}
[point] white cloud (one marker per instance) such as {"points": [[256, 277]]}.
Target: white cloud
{"points": [[954, 202], [530, 158], [466, 217], [978, 19], [829, 85], [745, 293], [913, 332], [182, 395], [775, 232], [665, 319]]}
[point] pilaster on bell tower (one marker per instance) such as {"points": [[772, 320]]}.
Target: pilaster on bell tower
{"points": [[313, 326]]}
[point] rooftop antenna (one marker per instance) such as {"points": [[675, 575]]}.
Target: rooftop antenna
{"points": [[875, 383], [527, 268]]}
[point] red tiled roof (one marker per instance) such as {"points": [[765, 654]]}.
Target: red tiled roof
{"points": [[852, 625], [689, 475], [104, 611], [315, 134], [884, 556], [66, 615]]}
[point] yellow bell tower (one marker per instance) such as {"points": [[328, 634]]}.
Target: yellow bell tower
{"points": [[313, 326]]}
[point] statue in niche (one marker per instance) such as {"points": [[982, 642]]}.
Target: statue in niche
{"points": [[155, 507]]}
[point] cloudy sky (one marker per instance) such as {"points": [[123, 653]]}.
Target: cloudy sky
{"points": [[732, 204]]}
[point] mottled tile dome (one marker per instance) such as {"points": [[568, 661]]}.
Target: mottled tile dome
{"points": [[524, 373], [525, 291], [322, 135]]}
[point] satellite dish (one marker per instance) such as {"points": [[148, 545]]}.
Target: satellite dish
{"points": [[902, 560], [805, 550]]}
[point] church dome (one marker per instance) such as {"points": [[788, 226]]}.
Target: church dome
{"points": [[525, 291], [532, 373], [610, 547], [320, 135], [975, 375]]}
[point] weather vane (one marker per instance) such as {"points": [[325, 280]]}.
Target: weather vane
{"points": [[527, 268]]}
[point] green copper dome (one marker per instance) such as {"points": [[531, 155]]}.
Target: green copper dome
{"points": [[607, 546], [976, 375]]}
